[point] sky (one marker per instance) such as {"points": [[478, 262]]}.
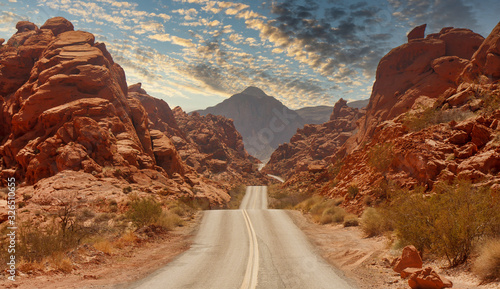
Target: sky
{"points": [[196, 53]]}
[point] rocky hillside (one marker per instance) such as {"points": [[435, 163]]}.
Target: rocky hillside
{"points": [[433, 117], [263, 121], [65, 109], [312, 147]]}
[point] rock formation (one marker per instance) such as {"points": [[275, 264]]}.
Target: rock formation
{"points": [[433, 114], [422, 67], [65, 106], [314, 144]]}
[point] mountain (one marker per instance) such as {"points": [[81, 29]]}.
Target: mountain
{"points": [[359, 104], [315, 114], [263, 121]]}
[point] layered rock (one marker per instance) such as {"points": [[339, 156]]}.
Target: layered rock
{"points": [[427, 116], [422, 67], [65, 107], [214, 148], [311, 147]]}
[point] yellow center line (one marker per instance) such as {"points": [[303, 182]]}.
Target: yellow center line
{"points": [[250, 279]]}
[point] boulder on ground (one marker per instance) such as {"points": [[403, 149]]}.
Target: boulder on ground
{"points": [[428, 279], [409, 259]]}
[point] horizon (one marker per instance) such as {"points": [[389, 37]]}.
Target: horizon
{"points": [[196, 53]]}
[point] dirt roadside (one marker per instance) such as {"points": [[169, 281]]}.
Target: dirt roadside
{"points": [[367, 260], [121, 267]]}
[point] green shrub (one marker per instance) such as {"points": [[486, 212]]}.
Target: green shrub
{"points": [[447, 223], [352, 191], [144, 211], [487, 264], [432, 116], [381, 156]]}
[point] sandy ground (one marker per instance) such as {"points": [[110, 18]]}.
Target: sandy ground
{"points": [[123, 266], [367, 260]]}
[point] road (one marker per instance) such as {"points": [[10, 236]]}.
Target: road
{"points": [[249, 248]]}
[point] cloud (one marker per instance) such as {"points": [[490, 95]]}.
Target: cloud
{"points": [[435, 13]]}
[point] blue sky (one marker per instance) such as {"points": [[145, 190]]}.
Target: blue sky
{"points": [[196, 53]]}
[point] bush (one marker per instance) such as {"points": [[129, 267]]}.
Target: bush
{"points": [[285, 199], [447, 223], [144, 212], [373, 223], [351, 221], [236, 193], [381, 156], [487, 265], [169, 220], [352, 191], [432, 116]]}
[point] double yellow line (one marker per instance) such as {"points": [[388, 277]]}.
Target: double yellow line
{"points": [[250, 279]]}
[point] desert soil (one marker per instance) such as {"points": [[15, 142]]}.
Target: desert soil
{"points": [[367, 260], [121, 267]]}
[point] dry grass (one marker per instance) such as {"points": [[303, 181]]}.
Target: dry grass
{"points": [[127, 239], [351, 220], [61, 262], [323, 211], [487, 265], [105, 246], [373, 223], [169, 220]]}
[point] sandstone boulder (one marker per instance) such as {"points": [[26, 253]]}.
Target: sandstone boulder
{"points": [[417, 32], [410, 258], [428, 279], [58, 25]]}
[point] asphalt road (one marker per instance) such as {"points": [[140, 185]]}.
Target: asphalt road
{"points": [[252, 247]]}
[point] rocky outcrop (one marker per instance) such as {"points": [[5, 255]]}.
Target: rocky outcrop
{"points": [[422, 67], [417, 32], [214, 148], [314, 144], [486, 60], [65, 108], [428, 122]]}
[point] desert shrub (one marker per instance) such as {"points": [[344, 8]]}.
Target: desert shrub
{"points": [[351, 220], [352, 191], [373, 222], [104, 245], [432, 116], [127, 190], [447, 223], [381, 156], [487, 264], [466, 214], [36, 242], [144, 211], [169, 220], [236, 193], [323, 210], [283, 198]]}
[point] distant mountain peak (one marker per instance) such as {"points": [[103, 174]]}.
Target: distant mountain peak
{"points": [[254, 91]]}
